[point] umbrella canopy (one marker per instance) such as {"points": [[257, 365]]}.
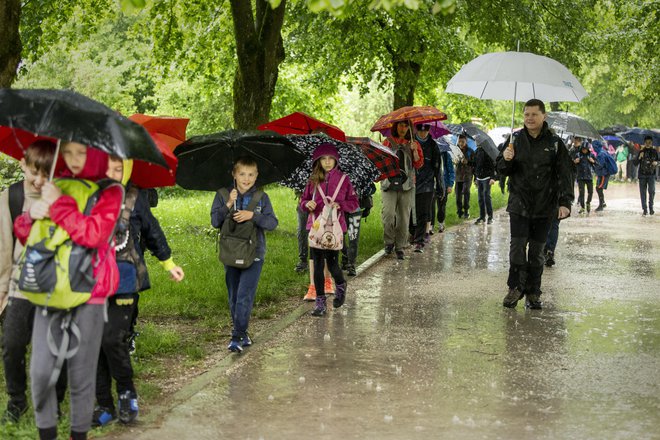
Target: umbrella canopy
{"points": [[14, 141], [206, 162], [499, 134], [167, 133], [382, 157], [568, 123], [482, 139], [614, 129], [301, 123], [413, 114], [637, 135], [450, 141], [614, 140], [516, 75], [69, 116], [352, 161]]}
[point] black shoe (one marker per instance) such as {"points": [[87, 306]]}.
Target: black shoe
{"points": [[511, 299], [651, 212], [588, 207], [301, 267], [599, 208], [128, 407], [14, 412], [103, 416], [319, 306], [400, 256], [466, 215], [388, 249], [479, 221], [549, 258], [340, 295], [534, 301], [351, 272], [490, 221], [419, 248]]}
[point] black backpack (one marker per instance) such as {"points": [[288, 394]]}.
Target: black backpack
{"points": [[16, 193], [237, 242]]}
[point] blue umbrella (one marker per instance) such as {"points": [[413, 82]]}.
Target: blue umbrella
{"points": [[614, 140], [637, 135]]}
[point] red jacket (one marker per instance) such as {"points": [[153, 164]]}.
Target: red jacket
{"points": [[91, 231]]}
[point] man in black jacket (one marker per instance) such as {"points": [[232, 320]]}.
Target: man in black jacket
{"points": [[540, 181], [485, 176], [426, 181]]}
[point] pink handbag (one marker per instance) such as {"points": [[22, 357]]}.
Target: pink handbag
{"points": [[326, 232]]}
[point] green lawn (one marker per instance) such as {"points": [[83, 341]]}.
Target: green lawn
{"points": [[181, 324]]}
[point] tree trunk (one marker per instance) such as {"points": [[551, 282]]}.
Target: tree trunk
{"points": [[10, 40], [260, 51], [406, 76]]}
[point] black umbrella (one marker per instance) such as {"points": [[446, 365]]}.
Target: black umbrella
{"points": [[69, 116], [637, 135], [481, 138], [206, 162], [352, 161]]}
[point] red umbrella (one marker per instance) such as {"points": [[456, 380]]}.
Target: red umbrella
{"points": [[413, 114], [167, 132], [300, 123], [14, 141], [382, 157]]}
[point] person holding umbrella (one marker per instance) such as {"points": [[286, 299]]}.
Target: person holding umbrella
{"points": [[585, 160], [540, 189], [647, 161], [398, 191], [427, 177], [464, 175], [92, 231]]}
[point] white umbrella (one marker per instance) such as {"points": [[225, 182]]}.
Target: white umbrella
{"points": [[516, 75], [568, 123]]}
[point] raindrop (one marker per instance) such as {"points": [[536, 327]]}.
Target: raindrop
{"points": [[455, 420], [497, 423], [379, 388], [326, 338], [301, 379], [370, 383], [388, 418], [398, 369], [271, 397], [450, 372], [470, 423]]}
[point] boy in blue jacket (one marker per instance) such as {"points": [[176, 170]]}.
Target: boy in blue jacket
{"points": [[242, 283]]}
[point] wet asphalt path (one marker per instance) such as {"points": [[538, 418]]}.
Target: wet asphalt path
{"points": [[423, 348]]}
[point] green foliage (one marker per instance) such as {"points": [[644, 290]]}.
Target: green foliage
{"points": [[10, 171]]}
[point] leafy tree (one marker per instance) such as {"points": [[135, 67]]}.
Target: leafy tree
{"points": [[10, 42]]}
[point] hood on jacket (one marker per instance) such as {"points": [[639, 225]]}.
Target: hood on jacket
{"points": [[325, 149], [96, 166], [597, 146]]}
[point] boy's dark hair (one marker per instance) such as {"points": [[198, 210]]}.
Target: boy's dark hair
{"points": [[245, 161], [462, 136], [648, 138], [536, 103], [40, 155]]}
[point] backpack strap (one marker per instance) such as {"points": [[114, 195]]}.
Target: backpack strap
{"points": [[16, 193], [254, 201], [334, 195]]}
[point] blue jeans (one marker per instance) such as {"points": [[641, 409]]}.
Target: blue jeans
{"points": [[553, 236], [647, 183], [242, 288], [485, 203]]}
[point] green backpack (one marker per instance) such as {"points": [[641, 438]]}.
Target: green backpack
{"points": [[55, 272], [237, 244]]}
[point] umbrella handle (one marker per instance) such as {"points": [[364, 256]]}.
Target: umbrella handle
{"points": [[52, 167]]}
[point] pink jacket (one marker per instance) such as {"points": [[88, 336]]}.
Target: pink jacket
{"points": [[346, 198]]}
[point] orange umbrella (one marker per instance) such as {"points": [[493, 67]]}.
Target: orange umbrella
{"points": [[167, 132], [412, 114]]}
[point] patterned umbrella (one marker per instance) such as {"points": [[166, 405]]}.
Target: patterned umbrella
{"points": [[352, 161], [414, 114], [382, 157]]}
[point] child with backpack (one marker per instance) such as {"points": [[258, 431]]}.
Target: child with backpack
{"points": [[327, 186], [19, 314], [247, 210], [604, 167], [136, 223], [77, 331]]}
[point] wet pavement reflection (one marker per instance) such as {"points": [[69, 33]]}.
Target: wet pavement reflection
{"points": [[424, 349]]}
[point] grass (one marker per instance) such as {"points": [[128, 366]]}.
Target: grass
{"points": [[182, 324]]}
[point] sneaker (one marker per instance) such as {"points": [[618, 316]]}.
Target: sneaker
{"points": [[14, 412], [400, 256], [534, 301], [599, 208], [588, 207], [301, 267], [512, 298], [479, 221], [431, 231], [644, 213], [441, 228], [651, 212], [549, 258], [340, 295], [419, 248], [311, 293], [246, 341], [128, 407], [388, 249], [235, 346], [328, 287], [351, 272], [466, 215], [103, 416], [581, 211], [319, 306], [489, 221]]}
